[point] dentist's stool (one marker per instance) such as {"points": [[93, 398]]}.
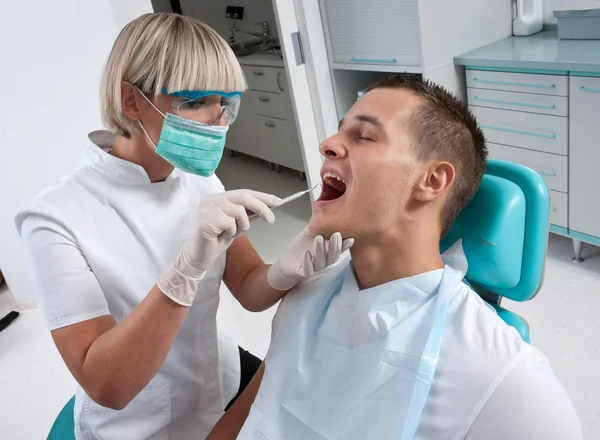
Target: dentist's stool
{"points": [[504, 230], [64, 425]]}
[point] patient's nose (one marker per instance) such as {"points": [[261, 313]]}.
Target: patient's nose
{"points": [[333, 147]]}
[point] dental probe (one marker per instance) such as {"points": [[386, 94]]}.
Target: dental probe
{"points": [[289, 199]]}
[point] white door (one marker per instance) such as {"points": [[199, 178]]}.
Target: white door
{"points": [[584, 155], [300, 91]]}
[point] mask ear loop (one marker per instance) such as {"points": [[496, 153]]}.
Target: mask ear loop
{"points": [[142, 125], [147, 135]]}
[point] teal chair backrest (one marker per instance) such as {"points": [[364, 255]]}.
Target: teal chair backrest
{"points": [[504, 230]]}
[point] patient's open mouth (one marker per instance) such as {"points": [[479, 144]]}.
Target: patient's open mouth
{"points": [[334, 187]]}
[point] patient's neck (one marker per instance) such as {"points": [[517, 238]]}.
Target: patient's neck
{"points": [[396, 254]]}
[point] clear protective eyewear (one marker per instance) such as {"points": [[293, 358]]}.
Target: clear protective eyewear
{"points": [[208, 107]]}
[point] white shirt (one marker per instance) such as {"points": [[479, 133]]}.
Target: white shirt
{"points": [[97, 240], [489, 383]]}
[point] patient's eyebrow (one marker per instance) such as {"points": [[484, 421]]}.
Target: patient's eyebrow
{"points": [[370, 119]]}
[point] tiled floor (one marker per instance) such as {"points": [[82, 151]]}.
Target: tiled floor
{"points": [[564, 322]]}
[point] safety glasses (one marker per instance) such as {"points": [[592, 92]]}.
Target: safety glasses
{"points": [[207, 107]]}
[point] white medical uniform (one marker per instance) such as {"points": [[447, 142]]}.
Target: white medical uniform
{"points": [[489, 384], [97, 240]]}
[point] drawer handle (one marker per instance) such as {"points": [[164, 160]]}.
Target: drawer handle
{"points": [[512, 130], [278, 83], [258, 73], [553, 208], [369, 60], [269, 124], [589, 89], [519, 104], [545, 173], [263, 98], [516, 84]]}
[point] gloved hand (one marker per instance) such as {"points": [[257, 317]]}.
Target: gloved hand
{"points": [[221, 218], [305, 256]]}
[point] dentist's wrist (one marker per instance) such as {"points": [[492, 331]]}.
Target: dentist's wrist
{"points": [[281, 281], [179, 281]]}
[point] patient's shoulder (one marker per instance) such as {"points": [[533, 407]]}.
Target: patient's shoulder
{"points": [[478, 346], [474, 325], [486, 368], [529, 403]]}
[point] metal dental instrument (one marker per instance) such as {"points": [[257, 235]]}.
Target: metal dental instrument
{"points": [[289, 199]]}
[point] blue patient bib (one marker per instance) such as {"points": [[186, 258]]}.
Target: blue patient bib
{"points": [[353, 364]]}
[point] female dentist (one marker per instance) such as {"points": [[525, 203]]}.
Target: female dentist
{"points": [[129, 250]]}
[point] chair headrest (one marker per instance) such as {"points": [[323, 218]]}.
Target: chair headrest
{"points": [[504, 230]]}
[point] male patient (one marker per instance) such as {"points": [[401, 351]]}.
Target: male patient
{"points": [[354, 349]]}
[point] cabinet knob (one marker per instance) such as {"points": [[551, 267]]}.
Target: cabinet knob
{"points": [[258, 73], [269, 124], [263, 98]]}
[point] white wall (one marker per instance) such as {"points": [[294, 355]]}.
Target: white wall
{"points": [[551, 5], [212, 12], [126, 10], [53, 55]]}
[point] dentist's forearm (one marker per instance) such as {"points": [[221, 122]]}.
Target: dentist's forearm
{"points": [[246, 277], [258, 295], [114, 362]]}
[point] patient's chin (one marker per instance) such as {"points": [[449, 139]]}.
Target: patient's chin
{"points": [[325, 227]]}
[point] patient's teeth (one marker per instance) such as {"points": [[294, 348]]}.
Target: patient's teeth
{"points": [[331, 175]]}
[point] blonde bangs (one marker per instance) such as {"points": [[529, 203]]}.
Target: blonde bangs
{"points": [[171, 52], [207, 63]]}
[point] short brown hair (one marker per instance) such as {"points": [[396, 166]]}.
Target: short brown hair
{"points": [[443, 128]]}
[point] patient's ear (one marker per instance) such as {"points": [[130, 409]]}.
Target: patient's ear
{"points": [[437, 179]]}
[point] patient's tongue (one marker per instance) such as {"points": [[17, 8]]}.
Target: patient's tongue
{"points": [[330, 193]]}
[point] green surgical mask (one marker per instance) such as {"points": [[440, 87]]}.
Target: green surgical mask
{"points": [[188, 145]]}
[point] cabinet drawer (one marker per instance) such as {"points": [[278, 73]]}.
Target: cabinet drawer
{"points": [[553, 168], [271, 138], [265, 79], [264, 103], [523, 102], [559, 209], [275, 142], [518, 82], [526, 130]]}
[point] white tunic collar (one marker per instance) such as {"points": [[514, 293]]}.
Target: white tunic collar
{"points": [[97, 155]]}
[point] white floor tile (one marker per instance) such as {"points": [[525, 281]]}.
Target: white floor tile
{"points": [[34, 381]]}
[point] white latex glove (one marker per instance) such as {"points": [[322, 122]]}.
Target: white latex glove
{"points": [[221, 218], [305, 256]]}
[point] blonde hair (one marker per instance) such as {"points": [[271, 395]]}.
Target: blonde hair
{"points": [[165, 51]]}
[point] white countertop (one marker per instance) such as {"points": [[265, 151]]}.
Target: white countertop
{"points": [[543, 51], [262, 59]]}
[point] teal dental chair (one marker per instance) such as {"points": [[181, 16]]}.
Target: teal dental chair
{"points": [[504, 231]]}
